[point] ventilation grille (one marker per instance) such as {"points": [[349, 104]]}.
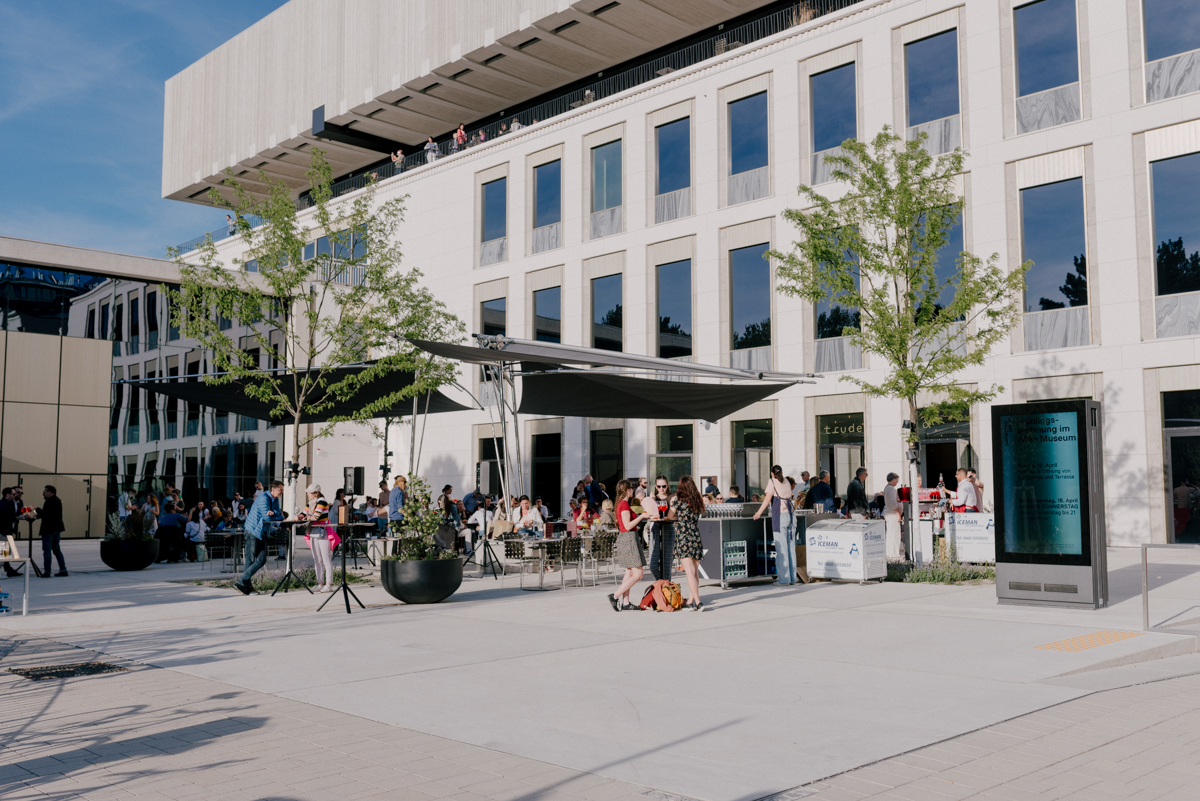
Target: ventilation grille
{"points": [[1024, 586], [66, 671]]}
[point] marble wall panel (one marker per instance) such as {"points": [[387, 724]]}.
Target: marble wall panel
{"points": [[548, 237], [673, 205], [606, 223], [837, 354], [751, 359], [822, 170], [749, 185], [1047, 109], [1177, 315], [1174, 76], [493, 252], [944, 134], [1060, 328]]}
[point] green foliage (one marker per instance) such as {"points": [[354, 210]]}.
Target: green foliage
{"points": [[874, 250], [940, 572], [128, 530], [268, 579], [349, 303], [416, 531]]}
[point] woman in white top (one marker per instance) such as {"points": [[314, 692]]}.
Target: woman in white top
{"points": [[779, 498], [529, 520]]}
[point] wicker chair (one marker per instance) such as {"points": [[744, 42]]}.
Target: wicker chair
{"points": [[514, 553]]}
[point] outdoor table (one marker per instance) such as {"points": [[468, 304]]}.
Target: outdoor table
{"points": [[237, 546], [25, 596], [539, 546]]}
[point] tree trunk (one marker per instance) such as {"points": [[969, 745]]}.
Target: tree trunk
{"points": [[914, 475], [290, 491]]}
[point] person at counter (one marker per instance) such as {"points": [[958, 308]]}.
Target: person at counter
{"points": [[779, 498], [711, 487], [735, 494], [821, 493], [891, 518], [628, 551], [965, 497], [856, 494]]}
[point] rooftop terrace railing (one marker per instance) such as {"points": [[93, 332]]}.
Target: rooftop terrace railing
{"points": [[686, 56], [224, 232]]}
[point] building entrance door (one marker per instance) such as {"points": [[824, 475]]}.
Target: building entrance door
{"points": [[841, 461], [1183, 471]]}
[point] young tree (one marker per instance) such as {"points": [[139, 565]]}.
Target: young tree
{"points": [[874, 251], [334, 306]]}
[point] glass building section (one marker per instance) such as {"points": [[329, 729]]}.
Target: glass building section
{"points": [[750, 297], [606, 176], [834, 107], [547, 314], [1047, 46], [675, 309], [674, 148], [495, 209], [1054, 237], [547, 194], [748, 143], [607, 328], [1176, 224], [932, 69]]}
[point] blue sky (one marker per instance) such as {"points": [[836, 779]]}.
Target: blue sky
{"points": [[81, 96]]}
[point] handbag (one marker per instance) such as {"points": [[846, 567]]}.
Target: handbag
{"points": [[201, 553]]}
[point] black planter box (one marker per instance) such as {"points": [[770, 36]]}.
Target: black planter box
{"points": [[421, 582], [129, 554]]}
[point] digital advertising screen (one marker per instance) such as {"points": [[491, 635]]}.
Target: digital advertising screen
{"points": [[1041, 456]]}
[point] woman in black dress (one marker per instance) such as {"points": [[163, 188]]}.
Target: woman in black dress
{"points": [[686, 508]]}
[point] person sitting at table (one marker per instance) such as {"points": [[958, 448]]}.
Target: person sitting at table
{"points": [[607, 517], [194, 532], [316, 512], [529, 520]]}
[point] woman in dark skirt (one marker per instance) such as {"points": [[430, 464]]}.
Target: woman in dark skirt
{"points": [[628, 548]]}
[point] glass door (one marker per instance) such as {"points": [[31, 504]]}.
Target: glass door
{"points": [[1183, 474], [841, 461]]}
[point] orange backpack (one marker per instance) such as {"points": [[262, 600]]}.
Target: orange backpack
{"points": [[663, 595]]}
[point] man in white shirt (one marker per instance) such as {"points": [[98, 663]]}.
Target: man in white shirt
{"points": [[891, 517], [965, 498]]}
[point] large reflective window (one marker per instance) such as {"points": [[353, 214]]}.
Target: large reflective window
{"points": [[1172, 27], [1054, 237], [1177, 224], [495, 209], [675, 309], [750, 296], [606, 313], [674, 149], [834, 107], [748, 145], [1047, 46], [493, 317], [547, 314], [932, 70], [832, 317], [547, 194], [606, 176]]}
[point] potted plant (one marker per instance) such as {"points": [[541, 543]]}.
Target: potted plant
{"points": [[420, 572], [125, 545]]}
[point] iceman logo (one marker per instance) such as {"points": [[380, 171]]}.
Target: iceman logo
{"points": [[854, 549], [812, 540]]}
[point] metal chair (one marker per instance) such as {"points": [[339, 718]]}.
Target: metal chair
{"points": [[572, 555], [514, 552], [602, 551]]}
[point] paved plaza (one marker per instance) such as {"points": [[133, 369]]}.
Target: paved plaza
{"points": [[830, 691]]}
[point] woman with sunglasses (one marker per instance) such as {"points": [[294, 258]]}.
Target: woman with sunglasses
{"points": [[658, 506]]}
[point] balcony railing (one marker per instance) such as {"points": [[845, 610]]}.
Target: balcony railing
{"points": [[224, 232], [687, 56]]}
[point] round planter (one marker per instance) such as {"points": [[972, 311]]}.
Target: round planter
{"points": [[129, 554], [421, 582]]}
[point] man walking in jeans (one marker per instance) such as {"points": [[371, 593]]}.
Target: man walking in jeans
{"points": [[51, 515], [265, 510]]}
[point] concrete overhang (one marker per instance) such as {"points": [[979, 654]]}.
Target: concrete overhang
{"points": [[398, 70], [86, 260]]}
